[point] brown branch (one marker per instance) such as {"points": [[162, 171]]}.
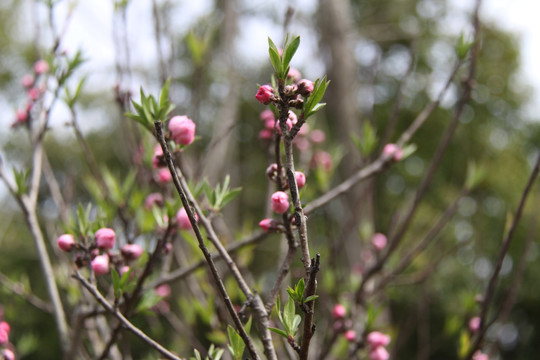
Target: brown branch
{"points": [[311, 289]]}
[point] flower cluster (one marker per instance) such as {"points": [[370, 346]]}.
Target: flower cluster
{"points": [[377, 342], [34, 91], [7, 348]]}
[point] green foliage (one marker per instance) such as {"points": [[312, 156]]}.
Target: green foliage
{"points": [[312, 105], [237, 344], [221, 195], [281, 63], [368, 143], [123, 284], [289, 319], [21, 180], [213, 353], [148, 110], [69, 98], [297, 294]]}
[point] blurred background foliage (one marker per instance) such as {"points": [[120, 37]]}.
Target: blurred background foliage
{"points": [[374, 52]]}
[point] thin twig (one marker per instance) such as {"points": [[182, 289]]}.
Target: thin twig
{"points": [[18, 289], [311, 289]]}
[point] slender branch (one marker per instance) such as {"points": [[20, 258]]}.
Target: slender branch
{"points": [[18, 289], [490, 290], [125, 322], [311, 289], [213, 269]]}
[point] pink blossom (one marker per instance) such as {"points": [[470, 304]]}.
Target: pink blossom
{"points": [[474, 324], [339, 311], [267, 114], [163, 290], [294, 74], [183, 220], [265, 134], [270, 124], [164, 175], [301, 143], [317, 136], [34, 93], [379, 353], [305, 87], [4, 337], [265, 94], [41, 66], [268, 224], [100, 264], [379, 241], [350, 335], [393, 150], [280, 202], [66, 242], [4, 326], [153, 198], [377, 338], [157, 159], [8, 354], [132, 251], [105, 238], [182, 130], [322, 159], [480, 356], [124, 269], [27, 80], [300, 179], [293, 117], [304, 130], [22, 115]]}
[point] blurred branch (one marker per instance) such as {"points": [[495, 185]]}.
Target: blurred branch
{"points": [[18, 289]]}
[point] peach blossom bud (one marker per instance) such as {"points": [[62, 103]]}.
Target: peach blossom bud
{"points": [[132, 251], [267, 115], [105, 238], [27, 81], [8, 354], [124, 269], [305, 87], [271, 171], [379, 353], [393, 149], [4, 337], [317, 136], [163, 290], [379, 241], [480, 356], [270, 124], [164, 175], [66, 242], [301, 143], [280, 202], [265, 94], [100, 264], [4, 326], [41, 66], [158, 160], [300, 179], [304, 130], [377, 338], [474, 324], [350, 335], [265, 134], [153, 198], [34, 93], [182, 130], [183, 220], [22, 115], [293, 117], [322, 159], [268, 225], [339, 311], [294, 74]]}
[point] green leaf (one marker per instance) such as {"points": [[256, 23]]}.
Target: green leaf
{"points": [[116, 283], [278, 309], [475, 175], [148, 301], [279, 331], [311, 298], [288, 315], [275, 59], [290, 50], [296, 322], [164, 95], [300, 288], [230, 196], [463, 46], [237, 343]]}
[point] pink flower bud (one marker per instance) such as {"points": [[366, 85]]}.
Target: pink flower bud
{"points": [[66, 242], [182, 130], [270, 124], [350, 335], [474, 324], [105, 238], [183, 220], [280, 202], [317, 136], [265, 134], [301, 143], [304, 130], [294, 74], [379, 241], [132, 251], [480, 356], [293, 117], [8, 354], [34, 93], [393, 150], [22, 115], [4, 337], [153, 198], [100, 264], [265, 94], [157, 159], [322, 159], [268, 225], [300, 179], [379, 353], [377, 338], [27, 81], [164, 176], [267, 115], [124, 269], [4, 326], [163, 290], [339, 311], [41, 66], [305, 87]]}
